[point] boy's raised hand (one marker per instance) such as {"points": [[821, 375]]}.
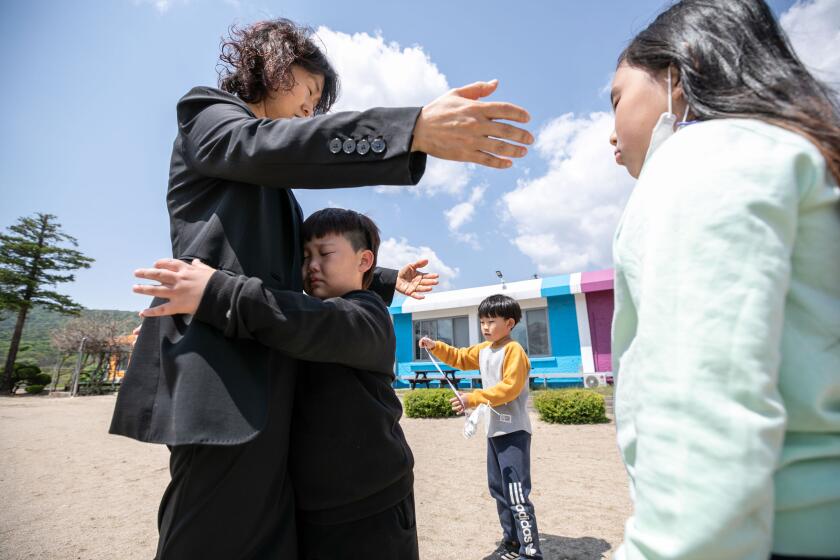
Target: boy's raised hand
{"points": [[181, 283], [413, 282], [427, 343]]}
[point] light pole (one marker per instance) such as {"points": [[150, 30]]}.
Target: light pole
{"points": [[78, 372], [501, 279]]}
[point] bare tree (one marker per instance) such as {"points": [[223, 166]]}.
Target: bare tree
{"points": [[104, 337]]}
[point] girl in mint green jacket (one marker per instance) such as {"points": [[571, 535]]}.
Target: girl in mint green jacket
{"points": [[726, 335]]}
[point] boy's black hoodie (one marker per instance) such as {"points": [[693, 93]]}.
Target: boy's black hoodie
{"points": [[349, 458]]}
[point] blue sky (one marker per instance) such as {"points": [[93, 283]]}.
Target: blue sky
{"points": [[90, 91]]}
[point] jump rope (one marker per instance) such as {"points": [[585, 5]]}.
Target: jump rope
{"points": [[471, 424]]}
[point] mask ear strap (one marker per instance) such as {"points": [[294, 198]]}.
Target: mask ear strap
{"points": [[670, 100], [685, 115]]}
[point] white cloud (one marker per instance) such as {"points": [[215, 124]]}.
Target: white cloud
{"points": [[376, 73], [396, 253], [565, 219], [462, 213], [469, 238], [814, 31], [443, 176], [162, 6]]}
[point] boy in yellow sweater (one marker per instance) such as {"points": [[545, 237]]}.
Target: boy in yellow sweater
{"points": [[504, 370]]}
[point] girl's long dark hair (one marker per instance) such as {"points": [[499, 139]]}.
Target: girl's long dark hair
{"points": [[734, 60]]}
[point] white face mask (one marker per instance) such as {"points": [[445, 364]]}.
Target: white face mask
{"points": [[667, 124], [471, 425], [482, 413]]}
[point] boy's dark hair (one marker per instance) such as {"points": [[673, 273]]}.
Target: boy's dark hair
{"points": [[258, 58], [358, 229], [500, 306]]}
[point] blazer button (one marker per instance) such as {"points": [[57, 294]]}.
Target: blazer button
{"points": [[349, 146], [362, 146], [378, 145], [335, 145]]}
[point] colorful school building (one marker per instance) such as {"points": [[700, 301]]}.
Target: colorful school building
{"points": [[565, 327]]}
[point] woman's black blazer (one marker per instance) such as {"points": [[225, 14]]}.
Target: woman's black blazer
{"points": [[230, 204]]}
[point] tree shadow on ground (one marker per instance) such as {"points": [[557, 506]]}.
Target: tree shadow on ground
{"points": [[555, 547]]}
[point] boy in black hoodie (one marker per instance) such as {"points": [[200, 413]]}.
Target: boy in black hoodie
{"points": [[351, 465]]}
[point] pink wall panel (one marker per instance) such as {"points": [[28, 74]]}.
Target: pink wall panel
{"points": [[600, 308]]}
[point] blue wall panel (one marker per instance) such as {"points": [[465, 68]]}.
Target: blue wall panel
{"points": [[405, 339], [563, 329]]}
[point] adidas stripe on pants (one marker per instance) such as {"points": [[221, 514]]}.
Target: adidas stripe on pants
{"points": [[509, 479]]}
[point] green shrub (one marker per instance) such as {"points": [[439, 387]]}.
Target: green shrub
{"points": [[40, 379], [428, 403], [570, 406], [34, 389], [25, 372]]}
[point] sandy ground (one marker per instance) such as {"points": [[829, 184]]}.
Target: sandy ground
{"points": [[68, 490]]}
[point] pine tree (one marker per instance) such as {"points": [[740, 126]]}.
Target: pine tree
{"points": [[31, 260]]}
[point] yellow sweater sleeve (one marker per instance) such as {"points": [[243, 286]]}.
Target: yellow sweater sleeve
{"points": [[460, 358], [515, 368]]}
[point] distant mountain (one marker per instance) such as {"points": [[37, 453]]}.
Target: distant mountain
{"points": [[36, 333]]}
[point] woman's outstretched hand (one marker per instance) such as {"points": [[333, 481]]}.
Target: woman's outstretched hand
{"points": [[457, 126], [181, 283], [413, 282]]}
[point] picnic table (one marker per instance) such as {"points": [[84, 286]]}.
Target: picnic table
{"points": [[422, 376]]}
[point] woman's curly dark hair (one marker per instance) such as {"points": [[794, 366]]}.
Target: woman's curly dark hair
{"points": [[258, 58]]}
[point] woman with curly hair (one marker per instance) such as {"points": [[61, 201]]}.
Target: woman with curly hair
{"points": [[223, 406], [255, 70]]}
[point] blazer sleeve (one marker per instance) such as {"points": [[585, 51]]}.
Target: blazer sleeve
{"points": [[346, 330], [221, 139]]}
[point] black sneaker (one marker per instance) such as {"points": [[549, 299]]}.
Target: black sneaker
{"points": [[507, 551]]}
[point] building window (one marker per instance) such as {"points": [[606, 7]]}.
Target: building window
{"points": [[532, 332], [454, 331]]}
